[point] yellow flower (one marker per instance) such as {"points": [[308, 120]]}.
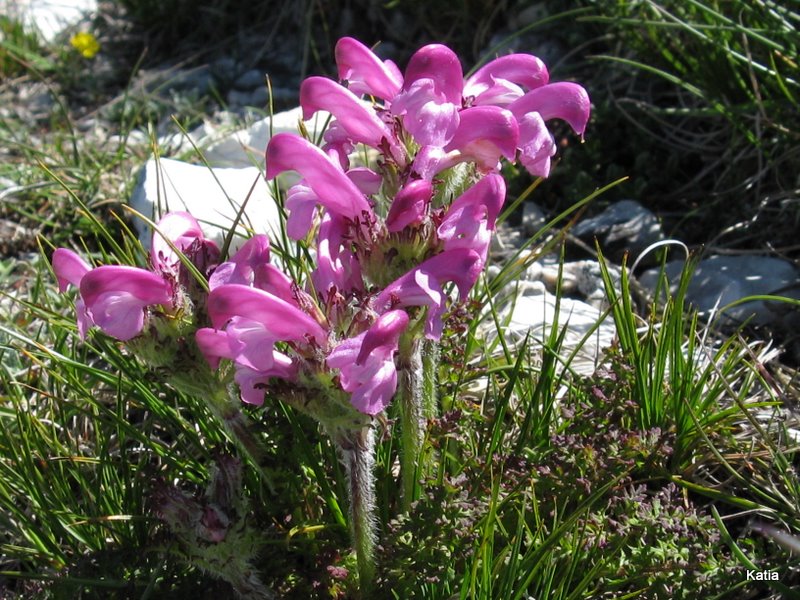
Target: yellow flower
{"points": [[85, 43]]}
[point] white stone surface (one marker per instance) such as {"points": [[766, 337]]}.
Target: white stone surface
{"points": [[721, 280], [526, 308], [246, 147], [47, 17], [212, 197]]}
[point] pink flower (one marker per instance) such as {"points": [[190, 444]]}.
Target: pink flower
{"points": [[537, 144], [560, 100], [261, 316], [503, 80], [183, 230], [358, 120], [484, 134], [471, 218], [115, 298], [426, 113], [334, 190], [70, 269], [430, 100], [216, 345], [250, 266], [112, 298], [337, 266], [366, 363], [439, 64], [365, 72], [423, 286], [410, 205]]}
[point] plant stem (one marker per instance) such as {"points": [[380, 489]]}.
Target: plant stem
{"points": [[412, 420], [357, 448]]}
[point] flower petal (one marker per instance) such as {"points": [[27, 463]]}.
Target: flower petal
{"points": [[383, 336], [423, 285], [214, 345], [146, 287], [410, 205], [484, 134], [360, 122], [287, 151], [365, 72], [366, 363], [490, 82], [536, 145], [119, 314], [426, 113], [440, 64], [180, 228], [69, 268], [561, 100], [280, 318], [242, 266], [472, 216]]}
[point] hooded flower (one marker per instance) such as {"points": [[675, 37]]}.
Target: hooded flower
{"points": [[366, 363], [250, 266], [115, 298], [410, 205], [365, 72], [471, 218], [333, 189], [184, 233], [423, 286], [215, 345], [504, 79]]}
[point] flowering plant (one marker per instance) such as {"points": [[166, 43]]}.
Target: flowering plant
{"points": [[389, 240]]}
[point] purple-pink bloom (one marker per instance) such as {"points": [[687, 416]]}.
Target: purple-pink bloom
{"points": [[484, 134], [471, 218], [276, 318], [336, 265], [503, 80], [115, 298], [439, 64], [430, 100], [357, 119], [561, 100], [366, 363], [423, 285], [410, 205], [536, 146], [365, 72], [215, 345], [301, 202], [70, 269], [183, 230], [334, 190], [250, 266], [427, 114]]}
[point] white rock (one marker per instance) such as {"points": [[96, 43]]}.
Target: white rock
{"points": [[529, 309], [212, 197], [720, 280], [245, 147], [47, 17]]}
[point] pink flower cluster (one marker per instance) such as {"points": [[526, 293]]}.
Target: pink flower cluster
{"points": [[388, 239], [115, 298]]}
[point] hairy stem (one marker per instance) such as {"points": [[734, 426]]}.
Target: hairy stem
{"points": [[357, 449], [412, 420]]}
